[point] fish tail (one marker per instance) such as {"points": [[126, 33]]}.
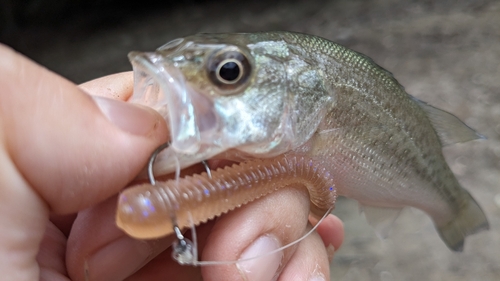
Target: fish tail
{"points": [[471, 219]]}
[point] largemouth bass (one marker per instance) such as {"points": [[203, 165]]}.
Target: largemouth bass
{"points": [[292, 108]]}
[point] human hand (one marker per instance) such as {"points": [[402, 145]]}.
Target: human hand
{"points": [[64, 153]]}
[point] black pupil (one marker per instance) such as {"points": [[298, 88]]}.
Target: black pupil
{"points": [[229, 71]]}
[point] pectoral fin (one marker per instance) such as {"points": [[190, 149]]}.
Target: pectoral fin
{"points": [[448, 127]]}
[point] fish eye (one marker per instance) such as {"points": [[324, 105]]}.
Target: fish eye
{"points": [[228, 69]]}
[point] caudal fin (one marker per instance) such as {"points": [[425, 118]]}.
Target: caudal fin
{"points": [[470, 220]]}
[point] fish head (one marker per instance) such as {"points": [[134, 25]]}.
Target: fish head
{"points": [[217, 92]]}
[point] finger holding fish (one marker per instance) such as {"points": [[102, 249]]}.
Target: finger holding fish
{"points": [[267, 227]]}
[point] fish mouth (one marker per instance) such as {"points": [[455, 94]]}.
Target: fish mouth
{"points": [[191, 116]]}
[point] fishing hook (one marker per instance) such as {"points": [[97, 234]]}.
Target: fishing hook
{"points": [[183, 250]]}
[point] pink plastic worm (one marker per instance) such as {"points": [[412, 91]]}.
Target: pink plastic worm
{"points": [[150, 211]]}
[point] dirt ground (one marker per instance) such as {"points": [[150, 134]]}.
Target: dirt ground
{"points": [[444, 52]]}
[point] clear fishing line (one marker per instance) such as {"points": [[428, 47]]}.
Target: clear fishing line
{"points": [[194, 254]]}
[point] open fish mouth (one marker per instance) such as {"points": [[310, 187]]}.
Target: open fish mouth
{"points": [[192, 118]]}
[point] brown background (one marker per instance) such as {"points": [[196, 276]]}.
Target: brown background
{"points": [[444, 52]]}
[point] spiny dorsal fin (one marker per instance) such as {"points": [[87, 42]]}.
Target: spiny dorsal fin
{"points": [[449, 128]]}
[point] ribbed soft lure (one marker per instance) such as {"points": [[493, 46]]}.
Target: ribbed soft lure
{"points": [[291, 108]]}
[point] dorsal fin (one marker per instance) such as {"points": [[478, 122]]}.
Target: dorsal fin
{"points": [[449, 128]]}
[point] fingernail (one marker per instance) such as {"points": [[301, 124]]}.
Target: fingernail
{"points": [[117, 260], [330, 251], [129, 117], [263, 267]]}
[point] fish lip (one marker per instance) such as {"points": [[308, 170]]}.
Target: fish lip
{"points": [[147, 90], [192, 116], [161, 86]]}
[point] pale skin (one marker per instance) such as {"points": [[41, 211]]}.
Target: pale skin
{"points": [[64, 157]]}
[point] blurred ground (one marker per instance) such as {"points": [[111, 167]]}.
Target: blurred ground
{"points": [[444, 52]]}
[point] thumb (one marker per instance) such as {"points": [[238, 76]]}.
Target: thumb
{"points": [[60, 151], [74, 150]]}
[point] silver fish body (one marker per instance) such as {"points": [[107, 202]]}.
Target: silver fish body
{"points": [[244, 96]]}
